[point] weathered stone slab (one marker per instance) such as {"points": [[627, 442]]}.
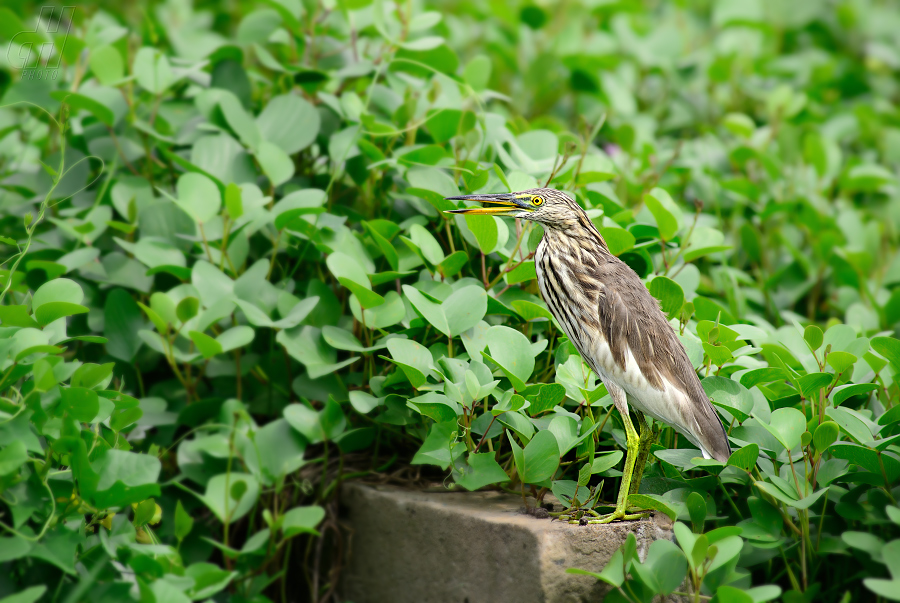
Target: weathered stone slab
{"points": [[437, 547]]}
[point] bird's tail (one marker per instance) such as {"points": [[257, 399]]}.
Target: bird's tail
{"points": [[711, 435]]}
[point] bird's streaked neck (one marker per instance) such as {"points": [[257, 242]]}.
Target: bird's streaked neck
{"points": [[579, 228]]}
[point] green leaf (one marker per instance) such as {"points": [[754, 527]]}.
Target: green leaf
{"points": [[413, 359], [342, 265], [218, 495], [480, 470], [840, 361], [198, 196], [302, 520], [844, 392], [652, 502], [669, 293], [549, 395], [206, 345], [121, 419], [16, 316], [122, 321], [696, 506], [477, 72], [239, 120], [665, 567], [316, 427], [813, 336], [290, 122], [423, 154], [443, 124], [584, 475], [825, 435], [612, 574], [730, 395], [82, 404], [605, 462], [888, 347], [512, 352], [152, 70], [436, 406], [28, 595], [888, 589], [453, 264], [124, 478], [787, 425], [184, 523], [811, 384], [280, 449], [367, 298], [385, 245], [79, 102], [12, 456], [539, 460], [107, 65], [803, 503], [430, 311], [484, 229], [868, 459], [55, 299], [665, 211], [744, 458], [521, 273], [440, 447], [275, 163], [730, 594], [187, 308], [236, 337], [739, 124], [618, 240], [344, 340], [464, 309]]}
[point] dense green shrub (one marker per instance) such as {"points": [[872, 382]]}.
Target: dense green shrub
{"points": [[228, 284]]}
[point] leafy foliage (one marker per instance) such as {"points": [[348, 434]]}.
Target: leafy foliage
{"points": [[234, 286]]}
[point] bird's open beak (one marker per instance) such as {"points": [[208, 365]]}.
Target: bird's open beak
{"points": [[501, 204]]}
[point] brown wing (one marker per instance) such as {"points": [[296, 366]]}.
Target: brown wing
{"points": [[630, 319]]}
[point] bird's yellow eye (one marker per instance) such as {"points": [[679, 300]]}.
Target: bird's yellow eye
{"points": [[536, 201]]}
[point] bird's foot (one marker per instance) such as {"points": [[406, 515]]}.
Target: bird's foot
{"points": [[589, 516], [618, 515]]}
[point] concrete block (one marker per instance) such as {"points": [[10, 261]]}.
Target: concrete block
{"points": [[457, 547]]}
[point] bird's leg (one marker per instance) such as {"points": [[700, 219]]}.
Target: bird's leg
{"points": [[632, 442], [645, 442]]}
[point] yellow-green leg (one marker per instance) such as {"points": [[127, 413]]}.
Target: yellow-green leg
{"points": [[645, 443], [632, 443]]}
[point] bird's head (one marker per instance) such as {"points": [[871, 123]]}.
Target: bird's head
{"points": [[549, 207]]}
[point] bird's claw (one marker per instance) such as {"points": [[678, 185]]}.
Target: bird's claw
{"points": [[582, 516]]}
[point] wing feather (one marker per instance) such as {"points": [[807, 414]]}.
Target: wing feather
{"points": [[631, 320]]}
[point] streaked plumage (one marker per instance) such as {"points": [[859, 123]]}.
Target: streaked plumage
{"points": [[616, 325]]}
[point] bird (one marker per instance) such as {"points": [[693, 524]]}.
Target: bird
{"points": [[618, 328]]}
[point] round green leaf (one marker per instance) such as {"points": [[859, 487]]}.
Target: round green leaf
{"points": [[813, 336], [289, 122], [198, 196], [787, 425], [511, 350], [56, 299], [275, 163], [825, 435], [665, 211], [669, 293]]}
